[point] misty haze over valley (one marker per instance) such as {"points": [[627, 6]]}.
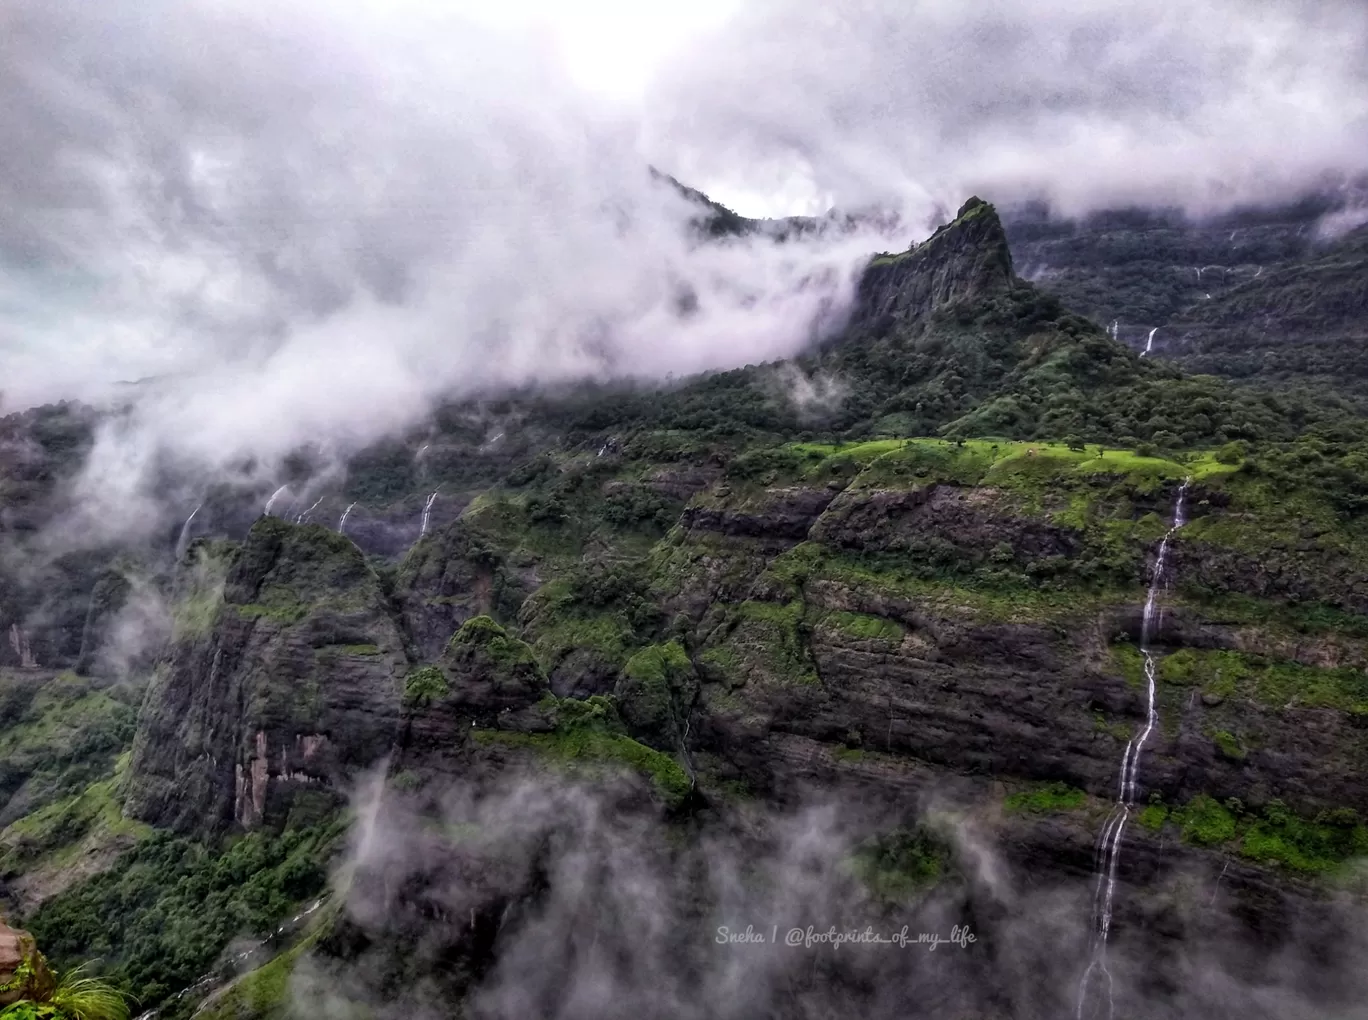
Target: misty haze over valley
{"points": [[758, 509]]}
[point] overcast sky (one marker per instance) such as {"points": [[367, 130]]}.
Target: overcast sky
{"points": [[315, 218]]}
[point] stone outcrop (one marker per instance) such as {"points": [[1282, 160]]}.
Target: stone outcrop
{"points": [[965, 260], [24, 974]]}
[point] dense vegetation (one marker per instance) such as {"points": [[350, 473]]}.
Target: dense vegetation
{"points": [[161, 917]]}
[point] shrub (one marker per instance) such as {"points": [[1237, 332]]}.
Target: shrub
{"points": [[424, 685]]}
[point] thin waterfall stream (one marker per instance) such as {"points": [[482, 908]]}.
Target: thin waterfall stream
{"points": [[427, 513], [1109, 842], [342, 524], [183, 542]]}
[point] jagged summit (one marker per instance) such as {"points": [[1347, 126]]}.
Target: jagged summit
{"points": [[715, 220], [973, 206], [964, 260]]}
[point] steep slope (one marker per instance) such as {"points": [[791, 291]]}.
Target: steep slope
{"points": [[898, 623], [1304, 321], [1261, 294], [283, 681]]}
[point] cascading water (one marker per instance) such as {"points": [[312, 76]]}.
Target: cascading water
{"points": [[304, 516], [274, 496], [427, 513], [1109, 843], [183, 542], [1149, 341], [1116, 328], [342, 524], [226, 971]]}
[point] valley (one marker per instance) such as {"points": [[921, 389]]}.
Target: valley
{"points": [[522, 709]]}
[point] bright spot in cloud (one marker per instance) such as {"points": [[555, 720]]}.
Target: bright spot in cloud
{"points": [[611, 47]]}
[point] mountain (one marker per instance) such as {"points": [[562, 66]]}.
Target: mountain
{"points": [[1269, 295], [858, 641]]}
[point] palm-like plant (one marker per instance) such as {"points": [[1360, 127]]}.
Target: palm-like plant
{"points": [[76, 997], [89, 998]]}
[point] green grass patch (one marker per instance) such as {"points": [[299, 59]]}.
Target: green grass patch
{"points": [[1301, 618], [1229, 745], [1130, 663], [65, 738], [54, 835], [283, 614], [1047, 798], [658, 664], [591, 737], [1205, 821], [864, 627], [769, 639], [1153, 816], [1268, 681], [607, 634], [989, 599], [1273, 835]]}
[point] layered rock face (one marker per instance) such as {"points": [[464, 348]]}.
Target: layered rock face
{"points": [[963, 261], [284, 680]]}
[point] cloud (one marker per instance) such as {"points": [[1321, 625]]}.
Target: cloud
{"points": [[534, 896], [1085, 103], [307, 223]]}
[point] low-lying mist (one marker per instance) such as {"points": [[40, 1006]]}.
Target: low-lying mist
{"points": [[533, 896]]}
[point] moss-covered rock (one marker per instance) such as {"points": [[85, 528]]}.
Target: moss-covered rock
{"points": [[656, 693]]}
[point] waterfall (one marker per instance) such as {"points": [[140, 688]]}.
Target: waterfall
{"points": [[301, 517], [342, 524], [183, 542], [20, 643], [1199, 274], [427, 513], [1108, 852], [1149, 341], [271, 502], [1116, 328]]}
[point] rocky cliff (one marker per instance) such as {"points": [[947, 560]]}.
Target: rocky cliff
{"points": [[284, 680]]}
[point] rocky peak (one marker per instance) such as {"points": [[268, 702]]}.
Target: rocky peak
{"points": [[965, 260]]}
